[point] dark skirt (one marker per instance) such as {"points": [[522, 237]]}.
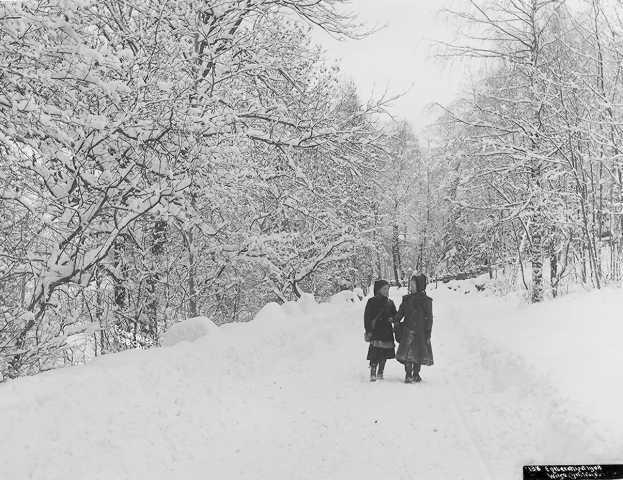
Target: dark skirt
{"points": [[376, 354], [414, 349]]}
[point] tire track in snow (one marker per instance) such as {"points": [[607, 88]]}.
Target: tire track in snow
{"points": [[514, 415]]}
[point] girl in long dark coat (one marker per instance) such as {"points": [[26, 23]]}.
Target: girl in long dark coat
{"points": [[377, 319], [414, 347]]}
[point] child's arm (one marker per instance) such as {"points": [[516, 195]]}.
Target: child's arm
{"points": [[429, 318]]}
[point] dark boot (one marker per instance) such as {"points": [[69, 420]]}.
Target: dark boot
{"points": [[416, 373], [379, 373], [373, 372], [408, 373]]}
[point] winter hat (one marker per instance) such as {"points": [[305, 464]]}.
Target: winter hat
{"points": [[420, 282], [378, 285]]}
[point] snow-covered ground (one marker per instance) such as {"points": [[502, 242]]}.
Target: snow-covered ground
{"points": [[286, 397]]}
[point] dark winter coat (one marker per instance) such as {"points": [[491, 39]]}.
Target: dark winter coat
{"points": [[383, 309], [417, 311], [379, 332]]}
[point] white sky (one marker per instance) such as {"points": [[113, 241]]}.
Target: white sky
{"points": [[400, 57]]}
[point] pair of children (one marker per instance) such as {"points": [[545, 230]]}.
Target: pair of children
{"points": [[411, 324]]}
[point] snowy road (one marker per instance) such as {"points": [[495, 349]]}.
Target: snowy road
{"points": [[291, 401]]}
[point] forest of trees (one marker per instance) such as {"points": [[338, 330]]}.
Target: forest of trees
{"points": [[163, 160], [535, 146]]}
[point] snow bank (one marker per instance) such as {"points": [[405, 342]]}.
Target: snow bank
{"points": [[572, 344], [291, 384], [481, 284], [397, 292], [188, 331], [173, 412], [346, 296], [359, 293], [269, 313]]}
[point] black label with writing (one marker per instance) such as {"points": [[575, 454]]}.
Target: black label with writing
{"points": [[572, 472]]}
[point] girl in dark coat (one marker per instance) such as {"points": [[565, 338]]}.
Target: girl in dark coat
{"points": [[414, 347], [377, 319]]}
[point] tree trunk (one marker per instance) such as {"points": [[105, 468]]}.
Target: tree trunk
{"points": [[153, 278], [553, 273], [295, 289], [119, 289], [396, 254], [192, 270], [536, 259], [518, 244], [99, 308], [583, 258]]}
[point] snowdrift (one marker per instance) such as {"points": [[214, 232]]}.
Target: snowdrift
{"points": [[513, 383], [572, 344], [189, 331], [140, 411]]}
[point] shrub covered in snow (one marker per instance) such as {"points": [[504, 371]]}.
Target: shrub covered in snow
{"points": [[189, 331]]}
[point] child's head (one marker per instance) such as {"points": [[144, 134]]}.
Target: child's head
{"points": [[381, 287], [418, 283]]}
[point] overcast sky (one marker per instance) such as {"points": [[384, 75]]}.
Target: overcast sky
{"points": [[400, 57]]}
